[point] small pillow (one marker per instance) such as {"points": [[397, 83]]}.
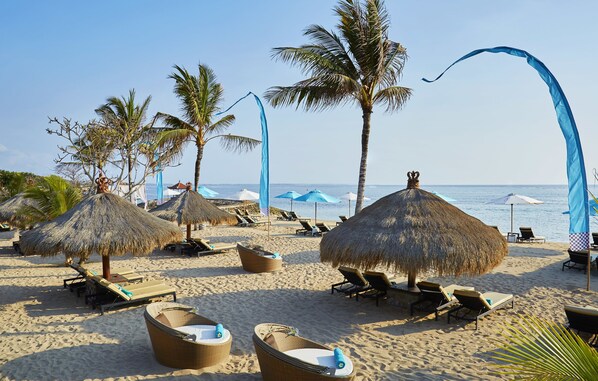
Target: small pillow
{"points": [[339, 358], [489, 301], [219, 331]]}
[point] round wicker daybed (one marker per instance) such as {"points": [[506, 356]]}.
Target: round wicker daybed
{"points": [[183, 339], [278, 350], [256, 260]]}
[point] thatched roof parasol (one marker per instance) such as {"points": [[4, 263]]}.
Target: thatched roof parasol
{"points": [[412, 231], [191, 208], [103, 223], [9, 209]]}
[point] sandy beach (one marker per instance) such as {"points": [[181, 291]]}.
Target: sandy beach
{"points": [[47, 333]]}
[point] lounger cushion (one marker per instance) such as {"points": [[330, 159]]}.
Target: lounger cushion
{"points": [[496, 299], [450, 290], [204, 334], [152, 291], [587, 310], [322, 357]]}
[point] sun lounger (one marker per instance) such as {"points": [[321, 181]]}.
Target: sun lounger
{"points": [[579, 260], [252, 221], [109, 295], [285, 216], [283, 355], [4, 228], [353, 284], [170, 327], [241, 221], [474, 305], [295, 217], [201, 247], [527, 235], [584, 319], [436, 297], [117, 276], [594, 244], [343, 219], [257, 260], [380, 284], [307, 228], [323, 228]]}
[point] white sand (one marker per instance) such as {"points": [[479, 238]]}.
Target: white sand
{"points": [[47, 333]]}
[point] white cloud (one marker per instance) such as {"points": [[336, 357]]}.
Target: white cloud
{"points": [[3, 148]]}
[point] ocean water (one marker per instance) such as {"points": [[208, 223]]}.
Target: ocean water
{"points": [[546, 219]]}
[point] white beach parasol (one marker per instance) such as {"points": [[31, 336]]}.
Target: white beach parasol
{"points": [[512, 199]]}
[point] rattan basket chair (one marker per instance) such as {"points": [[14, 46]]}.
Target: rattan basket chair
{"points": [[271, 341], [175, 348], [256, 260]]}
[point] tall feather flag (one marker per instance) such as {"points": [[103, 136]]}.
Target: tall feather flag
{"points": [[265, 173], [159, 185], [579, 220]]}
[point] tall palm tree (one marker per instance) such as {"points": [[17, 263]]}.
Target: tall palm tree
{"points": [[200, 100], [359, 64], [127, 119]]}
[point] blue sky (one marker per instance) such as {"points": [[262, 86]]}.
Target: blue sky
{"points": [[489, 120]]}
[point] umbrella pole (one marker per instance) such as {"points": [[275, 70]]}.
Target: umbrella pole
{"points": [[188, 232], [316, 214], [512, 218], [588, 272], [291, 205], [411, 280], [349, 208], [106, 266]]}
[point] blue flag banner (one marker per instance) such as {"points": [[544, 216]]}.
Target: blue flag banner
{"points": [[579, 220], [265, 174], [159, 186]]}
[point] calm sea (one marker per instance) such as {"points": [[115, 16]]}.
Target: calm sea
{"points": [[547, 219]]}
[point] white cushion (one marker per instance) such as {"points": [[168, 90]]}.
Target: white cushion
{"points": [[204, 333], [321, 357]]}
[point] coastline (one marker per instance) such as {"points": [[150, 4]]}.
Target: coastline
{"points": [[48, 333]]}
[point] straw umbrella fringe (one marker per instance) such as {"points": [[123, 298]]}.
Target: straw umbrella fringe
{"points": [[9, 209], [191, 208], [412, 231]]}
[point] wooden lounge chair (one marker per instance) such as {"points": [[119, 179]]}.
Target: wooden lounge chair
{"points": [[253, 221], [201, 247], [380, 284], [343, 219], [579, 260], [168, 326], [257, 260], [353, 284], [527, 235], [474, 305], [584, 319], [594, 244], [4, 228], [295, 217], [285, 216], [436, 297], [323, 228], [117, 276], [307, 228], [283, 355], [241, 221], [109, 295]]}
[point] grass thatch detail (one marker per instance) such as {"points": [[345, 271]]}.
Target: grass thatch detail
{"points": [[10, 209], [414, 231], [104, 224], [191, 208]]}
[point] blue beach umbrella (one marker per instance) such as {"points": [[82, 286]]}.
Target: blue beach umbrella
{"points": [[317, 196], [290, 195], [206, 192], [445, 198]]}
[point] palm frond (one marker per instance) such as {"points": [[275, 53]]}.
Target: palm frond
{"points": [[393, 97], [237, 143], [534, 349], [221, 125]]}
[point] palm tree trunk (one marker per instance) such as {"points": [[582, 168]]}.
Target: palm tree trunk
{"points": [[365, 139], [130, 170], [198, 164]]}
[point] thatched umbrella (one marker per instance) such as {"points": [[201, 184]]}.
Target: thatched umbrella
{"points": [[9, 209], [413, 231], [104, 224], [191, 208]]}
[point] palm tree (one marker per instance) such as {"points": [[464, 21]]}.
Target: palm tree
{"points": [[200, 100], [127, 119], [359, 64], [52, 197]]}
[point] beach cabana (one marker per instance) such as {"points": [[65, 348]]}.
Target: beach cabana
{"points": [[9, 209], [191, 208], [412, 231], [104, 224]]}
